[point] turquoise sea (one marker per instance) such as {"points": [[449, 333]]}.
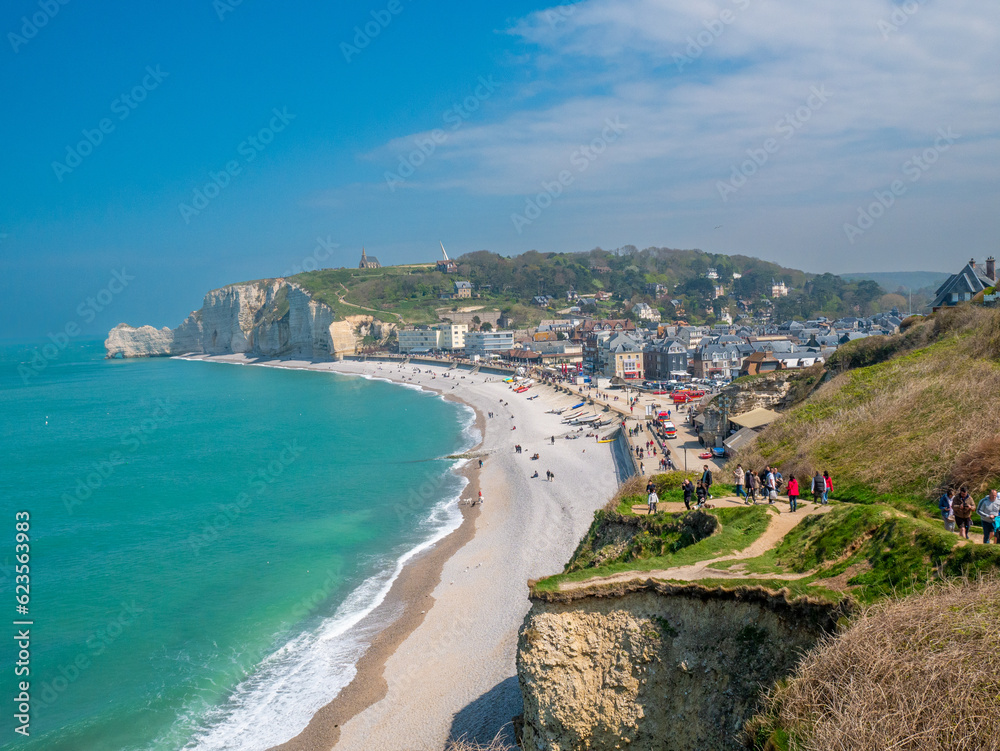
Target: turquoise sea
{"points": [[203, 538]]}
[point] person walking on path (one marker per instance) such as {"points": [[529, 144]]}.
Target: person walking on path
{"points": [[963, 507], [793, 492], [652, 500], [829, 487], [945, 507], [688, 487], [739, 476], [988, 509], [818, 486], [751, 480], [771, 485], [706, 480]]}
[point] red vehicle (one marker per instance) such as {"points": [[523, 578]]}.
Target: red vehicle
{"points": [[705, 455], [681, 397]]}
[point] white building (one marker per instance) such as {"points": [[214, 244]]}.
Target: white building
{"points": [[484, 342], [778, 289], [712, 274], [453, 336], [419, 340], [646, 313]]}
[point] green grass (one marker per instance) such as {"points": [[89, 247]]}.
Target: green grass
{"points": [[668, 489], [893, 554], [739, 527], [904, 417]]}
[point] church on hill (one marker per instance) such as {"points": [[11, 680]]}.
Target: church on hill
{"points": [[368, 262]]}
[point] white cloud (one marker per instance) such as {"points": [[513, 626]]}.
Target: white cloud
{"points": [[699, 83]]}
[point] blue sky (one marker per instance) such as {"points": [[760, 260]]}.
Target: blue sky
{"points": [[737, 126]]}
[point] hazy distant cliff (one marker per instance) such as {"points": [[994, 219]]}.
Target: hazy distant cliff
{"points": [[273, 318]]}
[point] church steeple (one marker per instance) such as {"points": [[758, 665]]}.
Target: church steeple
{"points": [[368, 263]]}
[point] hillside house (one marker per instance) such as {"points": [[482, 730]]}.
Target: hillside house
{"points": [[646, 313], [966, 284]]}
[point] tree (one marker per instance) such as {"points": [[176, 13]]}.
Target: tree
{"points": [[699, 287], [486, 326]]}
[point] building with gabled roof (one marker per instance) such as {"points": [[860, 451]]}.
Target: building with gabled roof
{"points": [[446, 265], [368, 262], [965, 285]]}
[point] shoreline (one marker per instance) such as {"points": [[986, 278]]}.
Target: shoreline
{"points": [[411, 590], [423, 623], [399, 613]]}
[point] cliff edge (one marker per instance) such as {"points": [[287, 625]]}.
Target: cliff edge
{"points": [[651, 665], [268, 318]]}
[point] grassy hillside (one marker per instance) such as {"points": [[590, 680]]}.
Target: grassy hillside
{"points": [[869, 552], [508, 284], [902, 416], [918, 674]]}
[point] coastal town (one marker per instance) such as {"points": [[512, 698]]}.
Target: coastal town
{"points": [[643, 346]]}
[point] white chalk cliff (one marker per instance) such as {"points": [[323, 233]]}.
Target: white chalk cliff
{"points": [[269, 318]]}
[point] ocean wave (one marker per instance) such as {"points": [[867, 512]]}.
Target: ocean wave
{"points": [[288, 687]]}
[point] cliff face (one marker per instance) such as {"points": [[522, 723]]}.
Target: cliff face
{"points": [[271, 318], [779, 390], [654, 666]]}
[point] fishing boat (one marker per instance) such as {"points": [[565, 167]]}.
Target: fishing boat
{"points": [[577, 406]]}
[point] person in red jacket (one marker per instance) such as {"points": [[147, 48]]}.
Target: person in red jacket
{"points": [[829, 487], [793, 492]]}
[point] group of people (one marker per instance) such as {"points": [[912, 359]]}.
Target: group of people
{"points": [[640, 451], [956, 511], [698, 493], [768, 483]]}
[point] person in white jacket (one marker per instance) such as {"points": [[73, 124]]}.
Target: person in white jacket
{"points": [[652, 500], [988, 510]]}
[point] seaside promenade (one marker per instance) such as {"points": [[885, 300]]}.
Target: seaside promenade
{"points": [[684, 449]]}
